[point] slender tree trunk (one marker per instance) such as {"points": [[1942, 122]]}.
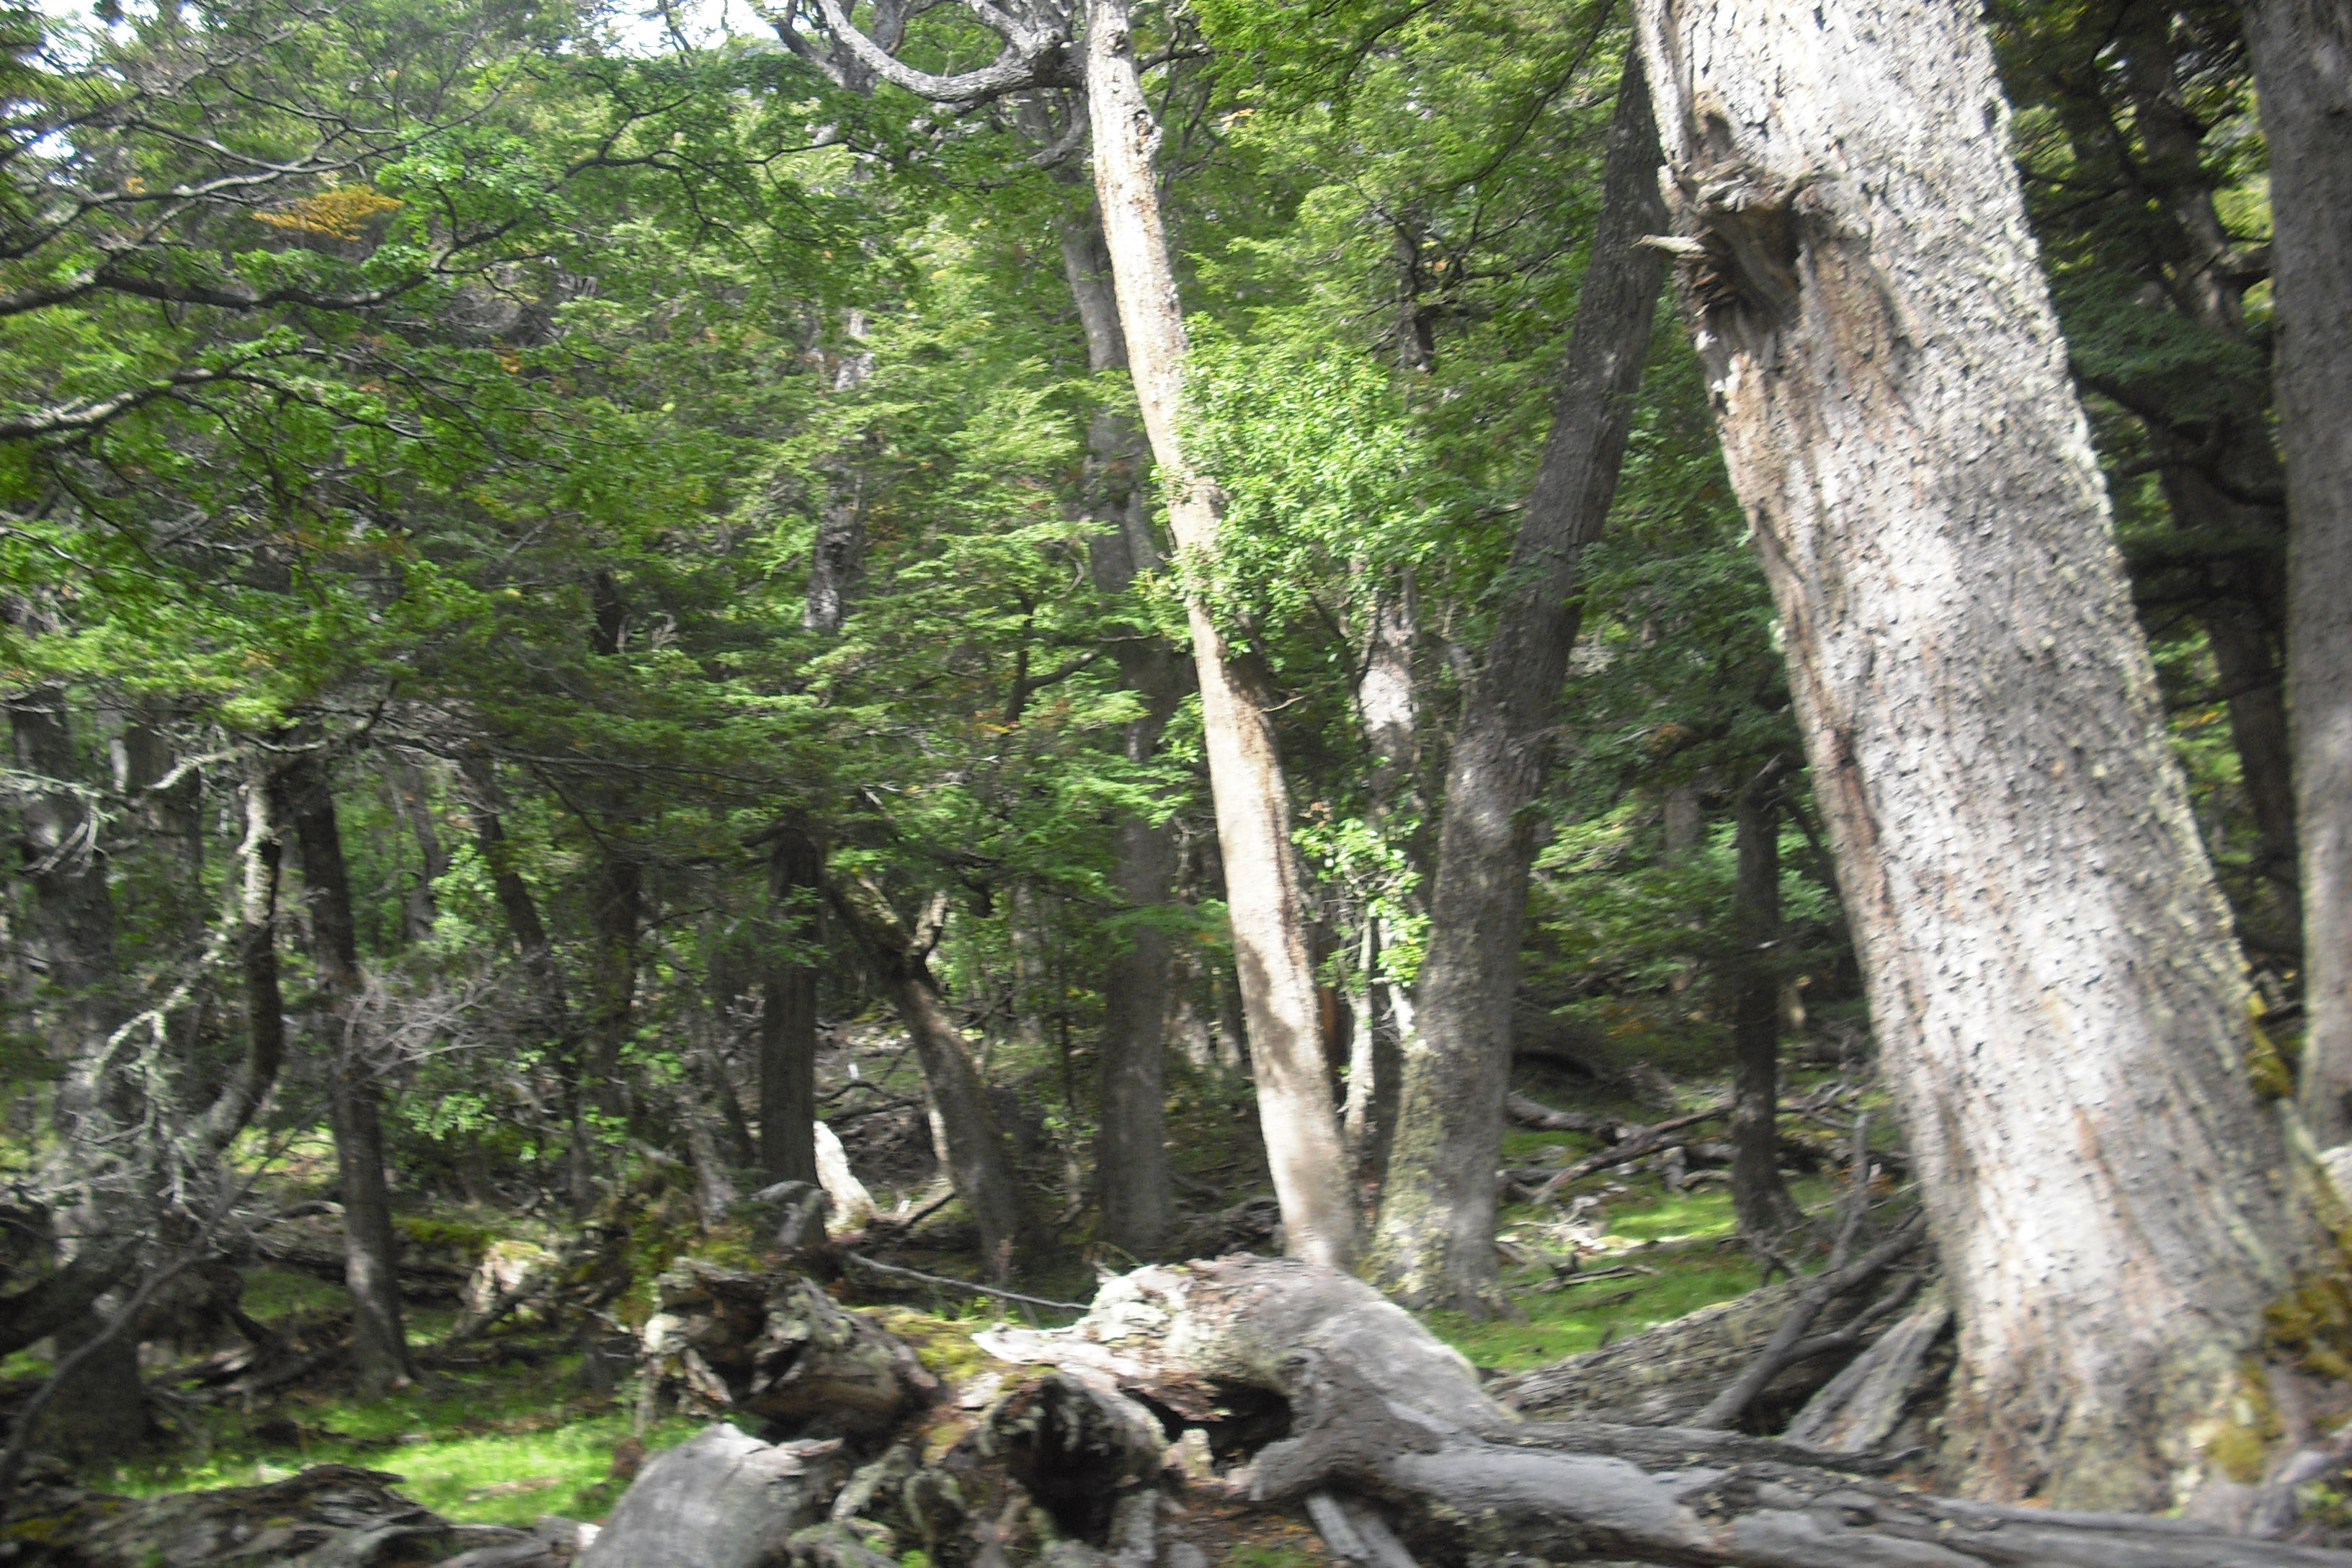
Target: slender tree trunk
{"points": [[787, 1012], [371, 1250], [102, 1408], [1759, 1197], [72, 925], [1437, 1239], [412, 795], [977, 1154], [2302, 64], [1131, 1167], [537, 952], [2048, 958], [1263, 896]]}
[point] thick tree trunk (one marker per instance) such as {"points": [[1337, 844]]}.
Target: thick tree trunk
{"points": [[1263, 896], [2302, 64], [977, 1154], [1130, 1158], [788, 1011], [2048, 959], [617, 915], [412, 792], [1759, 1196], [371, 1250], [1436, 1232]]}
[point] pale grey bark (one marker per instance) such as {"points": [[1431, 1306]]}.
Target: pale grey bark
{"points": [[2048, 959], [1263, 896], [2302, 64], [1436, 1229]]}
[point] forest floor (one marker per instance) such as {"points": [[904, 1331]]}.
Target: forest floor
{"points": [[522, 1431]]}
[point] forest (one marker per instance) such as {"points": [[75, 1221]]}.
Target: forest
{"points": [[1152, 783]]}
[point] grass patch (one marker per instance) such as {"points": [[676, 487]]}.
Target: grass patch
{"points": [[498, 1446], [1686, 1237]]}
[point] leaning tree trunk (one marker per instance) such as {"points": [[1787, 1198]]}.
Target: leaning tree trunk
{"points": [[2302, 63], [2047, 956], [354, 1103], [1132, 1158], [978, 1155], [1436, 1232], [1264, 899]]}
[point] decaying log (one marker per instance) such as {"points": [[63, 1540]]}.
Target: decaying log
{"points": [[1378, 1409], [721, 1499], [1079, 1448], [1665, 1376], [330, 1516], [1860, 1408], [777, 1351]]}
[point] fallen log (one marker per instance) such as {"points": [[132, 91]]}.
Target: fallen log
{"points": [[721, 1500], [776, 1351], [1378, 1409], [330, 1516]]}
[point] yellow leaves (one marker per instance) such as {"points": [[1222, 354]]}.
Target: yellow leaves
{"points": [[338, 211], [510, 362]]}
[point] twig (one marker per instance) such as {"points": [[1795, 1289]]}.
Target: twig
{"points": [[1648, 1140], [866, 1262]]}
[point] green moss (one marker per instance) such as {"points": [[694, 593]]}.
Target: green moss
{"points": [[2266, 1067], [943, 1345]]}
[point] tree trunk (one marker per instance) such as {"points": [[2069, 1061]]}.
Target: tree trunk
{"points": [[616, 914], [788, 1013], [977, 1156], [1131, 1165], [721, 1499], [72, 925], [537, 952], [2302, 64], [412, 791], [1757, 1195], [2048, 959], [371, 1250], [1262, 897], [1436, 1236]]}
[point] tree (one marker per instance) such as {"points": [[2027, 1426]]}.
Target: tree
{"points": [[1262, 890], [1437, 1209], [2047, 956], [2302, 61]]}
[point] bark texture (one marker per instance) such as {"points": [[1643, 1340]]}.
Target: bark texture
{"points": [[2046, 953], [721, 1500], [2302, 63], [1263, 895], [1436, 1230]]}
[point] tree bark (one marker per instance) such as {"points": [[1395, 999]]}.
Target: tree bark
{"points": [[787, 1014], [1262, 897], [1759, 1197], [1131, 1166], [371, 1250], [978, 1155], [1436, 1230], [2302, 64], [721, 1499], [2048, 959]]}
